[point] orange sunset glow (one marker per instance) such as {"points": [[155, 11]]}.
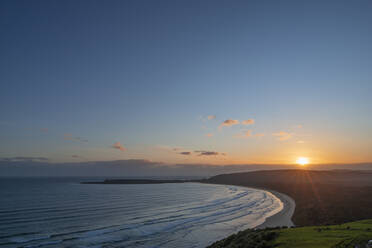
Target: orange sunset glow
{"points": [[302, 161], [203, 124]]}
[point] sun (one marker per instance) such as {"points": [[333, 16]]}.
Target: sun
{"points": [[302, 161]]}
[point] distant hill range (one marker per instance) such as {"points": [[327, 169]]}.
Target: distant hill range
{"points": [[344, 177]]}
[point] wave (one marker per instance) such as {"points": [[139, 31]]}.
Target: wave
{"points": [[153, 219]]}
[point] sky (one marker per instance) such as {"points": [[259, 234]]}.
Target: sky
{"points": [[186, 82]]}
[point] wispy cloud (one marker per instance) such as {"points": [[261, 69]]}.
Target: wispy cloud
{"points": [[282, 136], [185, 153], [25, 159], [119, 146], [245, 134], [170, 149], [68, 136], [248, 122], [209, 135], [229, 123], [44, 130], [248, 134], [205, 118], [209, 153]]}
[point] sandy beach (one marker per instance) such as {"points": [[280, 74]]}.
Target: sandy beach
{"points": [[284, 217]]}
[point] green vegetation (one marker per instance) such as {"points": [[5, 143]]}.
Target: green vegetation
{"points": [[345, 235], [249, 238], [348, 235]]}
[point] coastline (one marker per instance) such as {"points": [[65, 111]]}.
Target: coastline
{"points": [[282, 218]]}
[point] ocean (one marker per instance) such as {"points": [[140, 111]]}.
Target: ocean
{"points": [[61, 212]]}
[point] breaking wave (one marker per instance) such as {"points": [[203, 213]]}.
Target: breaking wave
{"points": [[165, 215]]}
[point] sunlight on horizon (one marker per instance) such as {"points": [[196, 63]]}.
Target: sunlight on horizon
{"points": [[302, 161]]}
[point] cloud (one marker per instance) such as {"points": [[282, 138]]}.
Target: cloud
{"points": [[282, 136], [203, 153], [206, 118], [300, 142], [245, 134], [169, 149], [44, 130], [209, 135], [178, 150], [119, 146], [281, 133], [185, 153], [25, 159], [75, 156], [248, 134], [209, 153], [229, 123], [248, 122], [68, 136]]}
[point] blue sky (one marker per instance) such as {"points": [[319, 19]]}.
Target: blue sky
{"points": [[77, 77]]}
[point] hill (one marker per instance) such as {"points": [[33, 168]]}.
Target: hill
{"points": [[322, 197]]}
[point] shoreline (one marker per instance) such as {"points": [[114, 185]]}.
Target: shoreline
{"points": [[282, 218]]}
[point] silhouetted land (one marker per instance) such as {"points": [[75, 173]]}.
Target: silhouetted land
{"points": [[322, 197], [136, 181]]}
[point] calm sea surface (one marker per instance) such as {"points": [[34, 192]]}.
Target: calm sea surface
{"points": [[64, 213]]}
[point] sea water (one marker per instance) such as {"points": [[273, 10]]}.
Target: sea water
{"points": [[37, 212]]}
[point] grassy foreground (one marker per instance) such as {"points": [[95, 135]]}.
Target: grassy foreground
{"points": [[353, 234]]}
